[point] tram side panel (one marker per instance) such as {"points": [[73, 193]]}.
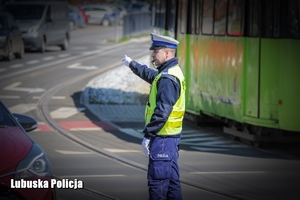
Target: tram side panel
{"points": [[271, 94], [212, 64], [215, 75], [289, 82], [262, 82]]}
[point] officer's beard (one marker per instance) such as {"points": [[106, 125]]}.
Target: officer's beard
{"points": [[153, 63]]}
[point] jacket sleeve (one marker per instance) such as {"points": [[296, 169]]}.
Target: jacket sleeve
{"points": [[144, 72], [167, 95]]}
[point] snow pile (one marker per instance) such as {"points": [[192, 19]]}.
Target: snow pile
{"points": [[119, 86]]}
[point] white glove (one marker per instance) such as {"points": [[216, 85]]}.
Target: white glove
{"points": [[126, 60], [145, 145]]}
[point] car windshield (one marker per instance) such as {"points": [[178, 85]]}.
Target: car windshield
{"points": [[5, 120], [26, 11], [3, 22]]}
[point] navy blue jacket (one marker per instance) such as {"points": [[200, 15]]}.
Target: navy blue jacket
{"points": [[168, 91]]}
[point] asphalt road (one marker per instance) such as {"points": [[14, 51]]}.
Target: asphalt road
{"points": [[103, 155]]}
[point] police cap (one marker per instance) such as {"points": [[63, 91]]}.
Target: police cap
{"points": [[161, 41]]}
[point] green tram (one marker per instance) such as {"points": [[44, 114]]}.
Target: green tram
{"points": [[241, 60]]}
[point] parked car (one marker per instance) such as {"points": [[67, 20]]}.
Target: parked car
{"points": [[22, 159], [11, 43], [76, 18], [42, 23], [119, 9], [138, 7], [86, 18], [122, 13], [100, 14]]}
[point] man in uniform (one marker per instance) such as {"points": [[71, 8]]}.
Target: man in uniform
{"points": [[164, 117]]}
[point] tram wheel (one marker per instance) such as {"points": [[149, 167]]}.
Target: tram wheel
{"points": [[254, 130], [232, 125], [257, 130]]}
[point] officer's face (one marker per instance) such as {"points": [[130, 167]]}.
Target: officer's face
{"points": [[159, 56]]}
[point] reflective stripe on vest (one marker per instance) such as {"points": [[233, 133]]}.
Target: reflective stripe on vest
{"points": [[173, 126]]}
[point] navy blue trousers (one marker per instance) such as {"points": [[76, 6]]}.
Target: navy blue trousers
{"points": [[163, 170]]}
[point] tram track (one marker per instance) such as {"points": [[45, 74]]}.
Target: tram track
{"points": [[44, 113]]}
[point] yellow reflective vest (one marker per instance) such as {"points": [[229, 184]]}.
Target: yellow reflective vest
{"points": [[173, 125]]}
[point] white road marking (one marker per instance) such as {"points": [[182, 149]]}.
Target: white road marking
{"points": [[93, 176], [9, 97], [64, 55], [214, 148], [79, 66], [91, 52], [54, 97], [185, 135], [195, 131], [58, 97], [65, 112], [2, 70], [14, 87], [228, 143], [73, 152], [23, 108], [231, 172], [199, 139], [120, 150], [47, 64], [16, 66], [49, 58], [32, 62], [79, 48], [208, 149]]}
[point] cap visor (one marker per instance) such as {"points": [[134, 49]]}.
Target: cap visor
{"points": [[156, 46]]}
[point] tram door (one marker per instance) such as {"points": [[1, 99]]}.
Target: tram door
{"points": [[262, 64], [251, 58]]}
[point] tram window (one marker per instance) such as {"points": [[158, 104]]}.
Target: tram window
{"points": [[220, 17], [267, 22], [252, 27], [192, 13], [182, 11], [160, 12], [294, 17], [277, 17], [207, 19], [270, 19], [235, 19], [198, 13], [171, 16], [194, 19]]}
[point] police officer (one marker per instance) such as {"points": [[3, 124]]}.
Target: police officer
{"points": [[164, 116]]}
